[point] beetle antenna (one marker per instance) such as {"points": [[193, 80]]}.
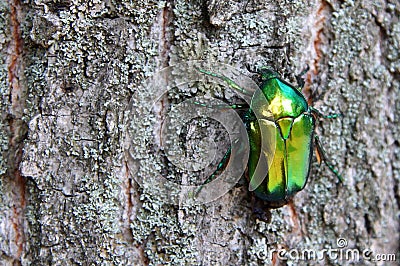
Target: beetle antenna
{"points": [[248, 67], [299, 79]]}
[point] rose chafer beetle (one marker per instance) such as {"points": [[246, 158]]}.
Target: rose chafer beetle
{"points": [[278, 110]]}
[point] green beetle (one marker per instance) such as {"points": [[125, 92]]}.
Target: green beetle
{"points": [[278, 110]]}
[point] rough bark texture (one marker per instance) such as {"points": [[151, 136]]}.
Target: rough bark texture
{"points": [[68, 70]]}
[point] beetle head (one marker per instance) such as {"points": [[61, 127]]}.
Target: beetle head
{"points": [[267, 73], [263, 73]]}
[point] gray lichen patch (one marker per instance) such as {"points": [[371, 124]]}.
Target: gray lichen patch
{"points": [[88, 61], [4, 84], [359, 69]]}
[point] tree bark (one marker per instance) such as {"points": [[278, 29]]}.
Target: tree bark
{"points": [[73, 81]]}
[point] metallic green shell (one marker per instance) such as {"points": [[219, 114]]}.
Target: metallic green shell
{"points": [[283, 113], [280, 127], [278, 98]]}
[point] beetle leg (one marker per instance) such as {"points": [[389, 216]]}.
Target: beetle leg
{"points": [[319, 114], [223, 106], [228, 81], [299, 79], [221, 165], [325, 159], [319, 156]]}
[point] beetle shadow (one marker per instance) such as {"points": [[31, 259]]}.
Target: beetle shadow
{"points": [[260, 209]]}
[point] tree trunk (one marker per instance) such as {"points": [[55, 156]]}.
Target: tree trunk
{"points": [[78, 143]]}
